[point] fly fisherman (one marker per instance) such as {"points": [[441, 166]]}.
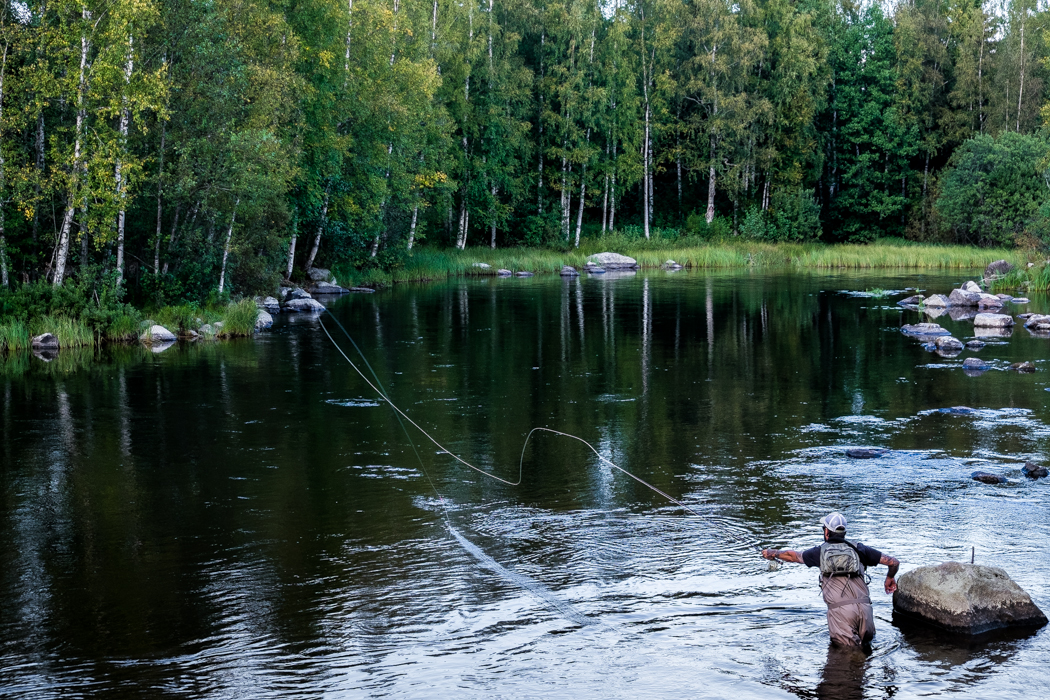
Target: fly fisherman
{"points": [[851, 622]]}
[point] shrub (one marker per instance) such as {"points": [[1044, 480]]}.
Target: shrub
{"points": [[795, 216], [239, 319]]}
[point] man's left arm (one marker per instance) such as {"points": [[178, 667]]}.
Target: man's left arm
{"points": [[891, 575]]}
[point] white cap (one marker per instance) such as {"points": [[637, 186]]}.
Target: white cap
{"points": [[836, 522]]}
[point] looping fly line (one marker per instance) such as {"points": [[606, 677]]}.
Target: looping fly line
{"points": [[382, 394]]}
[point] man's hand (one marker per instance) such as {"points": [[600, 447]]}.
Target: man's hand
{"points": [[769, 553], [891, 584]]}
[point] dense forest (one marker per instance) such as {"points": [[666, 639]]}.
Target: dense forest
{"points": [[191, 147]]}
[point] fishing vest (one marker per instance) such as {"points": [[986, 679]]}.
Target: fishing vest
{"points": [[840, 559]]}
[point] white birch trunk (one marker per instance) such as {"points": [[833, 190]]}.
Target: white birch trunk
{"points": [[495, 191], [67, 219], [645, 174], [320, 229], [1020, 91], [226, 248], [412, 227], [125, 117], [291, 257]]}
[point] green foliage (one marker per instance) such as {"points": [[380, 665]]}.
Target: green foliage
{"points": [[995, 187], [70, 332], [239, 319], [755, 226], [14, 335], [796, 216]]}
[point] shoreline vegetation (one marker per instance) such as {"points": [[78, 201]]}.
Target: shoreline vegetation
{"points": [[102, 320]]}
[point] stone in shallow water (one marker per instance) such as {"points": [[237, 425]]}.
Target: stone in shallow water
{"points": [[948, 344], [923, 329], [157, 334], [935, 300], [304, 305], [988, 478], [1019, 300], [959, 297], [614, 261], [44, 341], [966, 599], [865, 452], [263, 320], [993, 321], [523, 273], [974, 344], [569, 271], [503, 272], [975, 363], [971, 287], [997, 269], [910, 301], [1023, 367], [1034, 471], [958, 410]]}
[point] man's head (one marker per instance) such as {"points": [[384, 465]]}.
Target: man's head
{"points": [[834, 525]]}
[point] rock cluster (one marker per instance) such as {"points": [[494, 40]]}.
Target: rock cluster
{"points": [[569, 271], [966, 599]]}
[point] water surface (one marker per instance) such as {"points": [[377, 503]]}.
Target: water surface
{"points": [[247, 519]]}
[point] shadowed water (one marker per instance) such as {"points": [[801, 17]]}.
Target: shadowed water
{"points": [[248, 520]]}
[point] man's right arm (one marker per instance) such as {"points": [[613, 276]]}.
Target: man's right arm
{"points": [[783, 555], [891, 575]]}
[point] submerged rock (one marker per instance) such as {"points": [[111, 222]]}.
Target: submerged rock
{"points": [[1023, 367], [569, 271], [1005, 297], [865, 452], [975, 363], [988, 478], [614, 261], [913, 300], [1037, 321], [993, 320], [957, 410], [967, 599], [671, 265], [975, 344], [980, 332], [298, 293], [1034, 471], [523, 273], [503, 272], [929, 329], [595, 270], [997, 269], [323, 287], [44, 341], [157, 334], [362, 290], [1019, 300], [307, 305], [990, 303]]}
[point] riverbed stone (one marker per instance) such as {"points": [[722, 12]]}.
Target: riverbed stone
{"points": [[1019, 300], [1005, 297], [982, 332], [913, 300], [595, 270], [988, 478], [283, 292], [304, 305], [207, 330], [865, 452], [263, 320], [268, 304], [614, 261], [997, 269], [971, 287], [993, 320], [1036, 320], [323, 287], [1034, 471], [157, 334], [523, 273], [923, 329], [362, 290], [319, 274], [935, 300], [298, 293], [569, 271], [947, 343], [989, 302], [1023, 367], [671, 265], [44, 341], [503, 272], [975, 364], [958, 297], [975, 344], [965, 599], [957, 411]]}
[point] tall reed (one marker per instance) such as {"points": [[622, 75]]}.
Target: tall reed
{"points": [[70, 332], [14, 335]]}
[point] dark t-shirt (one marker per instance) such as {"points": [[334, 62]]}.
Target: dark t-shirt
{"points": [[868, 556]]}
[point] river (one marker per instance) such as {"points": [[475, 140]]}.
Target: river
{"points": [[248, 520]]}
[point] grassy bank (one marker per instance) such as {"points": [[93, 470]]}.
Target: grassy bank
{"points": [[124, 324], [427, 264]]}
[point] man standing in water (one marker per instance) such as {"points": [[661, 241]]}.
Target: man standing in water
{"points": [[851, 622]]}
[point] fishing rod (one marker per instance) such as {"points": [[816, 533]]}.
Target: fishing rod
{"points": [[721, 528]]}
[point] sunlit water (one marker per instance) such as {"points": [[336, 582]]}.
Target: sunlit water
{"points": [[247, 519]]}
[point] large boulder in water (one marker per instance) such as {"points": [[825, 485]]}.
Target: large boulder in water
{"points": [[304, 306], [614, 261], [924, 330], [935, 300], [960, 298], [997, 269], [157, 334], [967, 599], [44, 341]]}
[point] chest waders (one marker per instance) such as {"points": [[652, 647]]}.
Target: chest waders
{"points": [[851, 621]]}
